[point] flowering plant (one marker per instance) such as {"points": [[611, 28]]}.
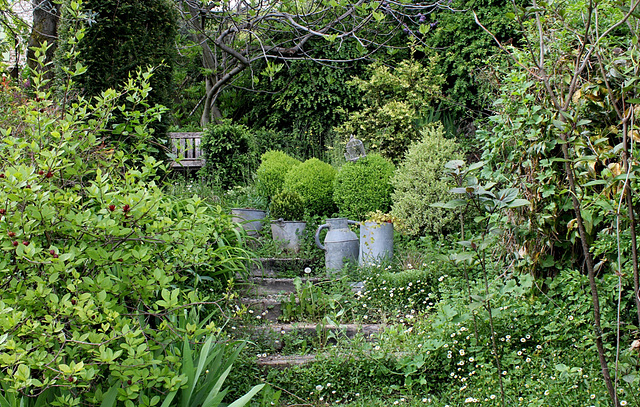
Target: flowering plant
{"points": [[381, 217]]}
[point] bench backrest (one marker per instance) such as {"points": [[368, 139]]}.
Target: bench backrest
{"points": [[186, 146]]}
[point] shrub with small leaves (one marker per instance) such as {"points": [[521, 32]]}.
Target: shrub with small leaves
{"points": [[395, 100], [364, 186], [418, 183], [287, 205], [272, 171], [229, 153], [313, 181]]}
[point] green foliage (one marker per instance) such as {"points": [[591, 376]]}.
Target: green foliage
{"points": [[339, 378], [313, 181], [287, 205], [188, 83], [281, 140], [14, 32], [243, 197], [206, 374], [394, 100], [402, 295], [229, 155], [310, 302], [302, 102], [380, 217], [418, 183], [522, 143], [363, 186], [97, 262], [125, 36], [463, 49], [272, 171]]}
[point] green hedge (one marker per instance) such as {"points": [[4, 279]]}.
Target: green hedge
{"points": [[272, 171], [364, 186], [313, 181], [229, 154], [418, 183]]}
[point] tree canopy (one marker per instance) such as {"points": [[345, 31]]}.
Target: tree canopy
{"points": [[236, 36]]}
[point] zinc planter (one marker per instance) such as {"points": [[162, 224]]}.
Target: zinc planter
{"points": [[250, 219], [288, 234], [376, 242]]}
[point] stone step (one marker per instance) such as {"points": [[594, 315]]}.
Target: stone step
{"points": [[266, 286], [276, 267], [275, 336], [278, 361], [269, 308], [284, 361]]}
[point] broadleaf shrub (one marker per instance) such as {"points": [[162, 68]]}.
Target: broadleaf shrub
{"points": [[395, 100], [97, 263], [364, 186], [229, 154], [418, 183], [271, 173], [313, 181]]}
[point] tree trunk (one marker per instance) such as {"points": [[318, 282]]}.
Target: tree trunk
{"points": [[46, 14]]}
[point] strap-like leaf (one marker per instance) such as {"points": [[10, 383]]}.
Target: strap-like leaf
{"points": [[110, 397], [245, 399], [169, 399]]}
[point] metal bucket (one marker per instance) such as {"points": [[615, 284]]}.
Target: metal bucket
{"points": [[376, 242], [288, 233], [250, 219]]}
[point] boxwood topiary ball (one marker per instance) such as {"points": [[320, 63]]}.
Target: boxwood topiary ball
{"points": [[364, 186], [313, 181]]}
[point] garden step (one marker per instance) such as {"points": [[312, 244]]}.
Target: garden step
{"points": [[269, 308], [275, 335], [274, 267], [281, 362], [265, 286], [284, 361]]}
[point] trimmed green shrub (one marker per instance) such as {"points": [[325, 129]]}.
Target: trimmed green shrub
{"points": [[418, 183], [229, 154], [363, 186], [272, 170], [287, 205], [126, 36], [313, 181]]}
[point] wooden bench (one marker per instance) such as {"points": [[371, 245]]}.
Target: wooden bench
{"points": [[186, 147]]}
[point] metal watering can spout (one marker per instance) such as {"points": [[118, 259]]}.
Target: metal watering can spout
{"points": [[340, 243]]}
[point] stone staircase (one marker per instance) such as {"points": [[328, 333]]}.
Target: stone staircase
{"points": [[263, 293]]}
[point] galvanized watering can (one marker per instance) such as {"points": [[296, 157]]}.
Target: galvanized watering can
{"points": [[340, 244]]}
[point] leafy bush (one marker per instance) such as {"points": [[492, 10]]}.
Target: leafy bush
{"points": [[304, 101], [97, 263], [269, 139], [287, 205], [272, 171], [418, 183], [395, 99], [228, 153], [337, 378], [313, 181], [468, 47], [126, 36], [363, 186]]}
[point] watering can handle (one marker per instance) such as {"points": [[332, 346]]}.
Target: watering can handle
{"points": [[352, 222], [320, 245]]}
